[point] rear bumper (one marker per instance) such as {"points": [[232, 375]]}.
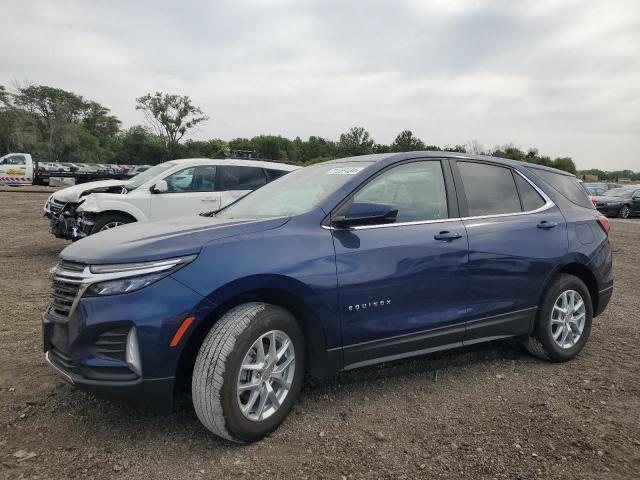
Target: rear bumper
{"points": [[156, 394], [604, 296]]}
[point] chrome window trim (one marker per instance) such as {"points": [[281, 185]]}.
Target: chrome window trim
{"points": [[547, 205]]}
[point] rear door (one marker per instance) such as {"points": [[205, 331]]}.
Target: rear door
{"points": [[516, 237], [402, 286], [235, 181]]}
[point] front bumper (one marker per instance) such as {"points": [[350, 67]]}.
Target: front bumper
{"points": [[156, 394], [84, 349]]}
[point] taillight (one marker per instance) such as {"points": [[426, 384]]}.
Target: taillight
{"points": [[604, 223]]}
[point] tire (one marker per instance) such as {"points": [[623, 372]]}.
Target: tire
{"points": [[624, 212], [217, 371], [108, 221], [542, 343]]}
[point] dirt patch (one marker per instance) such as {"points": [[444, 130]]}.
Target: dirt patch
{"points": [[487, 412]]}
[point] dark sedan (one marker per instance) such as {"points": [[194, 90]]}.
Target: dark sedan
{"points": [[619, 202]]}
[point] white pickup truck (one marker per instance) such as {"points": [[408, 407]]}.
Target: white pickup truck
{"points": [[169, 190], [18, 169]]}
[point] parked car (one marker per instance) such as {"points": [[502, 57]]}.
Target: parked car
{"points": [[619, 202], [332, 267], [171, 189]]}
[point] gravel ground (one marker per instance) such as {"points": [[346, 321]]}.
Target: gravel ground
{"points": [[487, 412]]}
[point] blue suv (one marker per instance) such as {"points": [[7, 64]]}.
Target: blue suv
{"points": [[335, 266]]}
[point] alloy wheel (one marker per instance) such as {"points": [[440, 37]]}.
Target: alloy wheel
{"points": [[266, 375], [568, 319], [111, 225], [624, 211]]}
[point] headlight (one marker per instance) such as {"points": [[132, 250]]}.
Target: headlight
{"points": [[122, 278]]}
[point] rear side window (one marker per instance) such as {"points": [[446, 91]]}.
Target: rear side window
{"points": [[567, 186], [490, 190], [242, 178], [531, 200]]}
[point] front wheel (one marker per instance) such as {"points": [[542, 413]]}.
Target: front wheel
{"points": [[249, 372], [109, 221], [625, 211], [563, 321]]}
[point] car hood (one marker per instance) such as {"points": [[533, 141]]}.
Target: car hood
{"points": [[146, 241], [73, 194]]}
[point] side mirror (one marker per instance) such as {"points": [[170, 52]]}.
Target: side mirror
{"points": [[366, 213], [160, 187]]}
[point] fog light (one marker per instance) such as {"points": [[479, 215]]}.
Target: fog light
{"points": [[133, 354]]}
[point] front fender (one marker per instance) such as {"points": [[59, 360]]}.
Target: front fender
{"points": [[97, 203]]}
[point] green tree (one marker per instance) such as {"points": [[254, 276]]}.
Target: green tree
{"points": [[356, 141], [171, 116], [406, 142]]}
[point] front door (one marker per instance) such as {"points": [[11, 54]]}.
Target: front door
{"points": [[191, 191], [402, 285]]}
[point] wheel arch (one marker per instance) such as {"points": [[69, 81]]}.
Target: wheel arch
{"points": [[320, 364], [584, 273], [116, 212]]}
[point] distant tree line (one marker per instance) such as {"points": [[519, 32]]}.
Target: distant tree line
{"points": [[56, 125]]}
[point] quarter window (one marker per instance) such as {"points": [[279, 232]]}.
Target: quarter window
{"points": [[417, 189], [567, 185], [242, 178], [490, 190], [531, 200]]}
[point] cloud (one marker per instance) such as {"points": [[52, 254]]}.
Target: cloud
{"points": [[563, 76]]}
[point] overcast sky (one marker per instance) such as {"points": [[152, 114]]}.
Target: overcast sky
{"points": [[563, 76]]}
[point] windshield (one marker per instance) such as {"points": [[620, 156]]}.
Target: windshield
{"points": [[618, 192], [297, 192], [147, 175]]}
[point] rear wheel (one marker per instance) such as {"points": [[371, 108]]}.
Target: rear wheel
{"points": [[248, 372], [625, 211], [109, 221], [563, 322]]}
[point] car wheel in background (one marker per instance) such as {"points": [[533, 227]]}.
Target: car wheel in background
{"points": [[563, 321], [109, 221], [624, 211], [249, 372]]}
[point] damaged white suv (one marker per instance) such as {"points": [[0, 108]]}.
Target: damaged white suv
{"points": [[169, 190]]}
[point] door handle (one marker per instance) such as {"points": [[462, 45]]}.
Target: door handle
{"points": [[209, 199], [447, 236], [544, 225]]}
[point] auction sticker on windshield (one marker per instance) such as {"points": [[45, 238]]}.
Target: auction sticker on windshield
{"points": [[344, 170]]}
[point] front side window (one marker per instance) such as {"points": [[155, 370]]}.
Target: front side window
{"points": [[417, 189], [15, 160], [490, 190], [242, 178], [181, 181], [206, 178]]}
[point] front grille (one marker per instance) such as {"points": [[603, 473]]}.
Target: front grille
{"points": [[56, 206], [113, 344], [61, 360], [63, 294], [67, 279]]}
